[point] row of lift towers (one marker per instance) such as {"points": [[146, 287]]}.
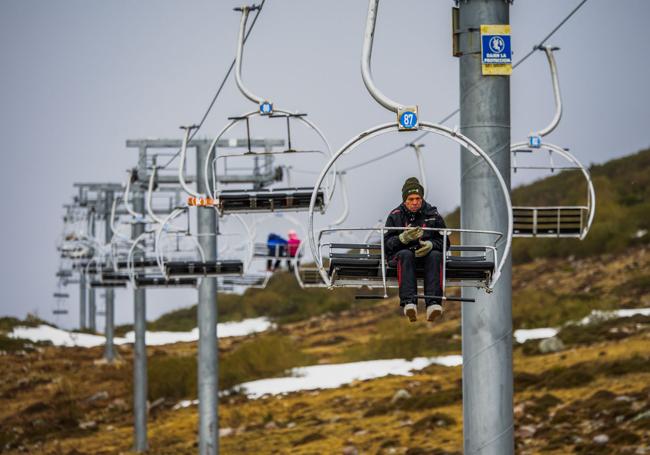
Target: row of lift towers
{"points": [[343, 256]]}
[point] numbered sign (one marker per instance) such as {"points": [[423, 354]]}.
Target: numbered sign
{"points": [[407, 118], [266, 108], [535, 142]]}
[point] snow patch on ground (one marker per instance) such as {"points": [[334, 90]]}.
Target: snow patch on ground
{"points": [[60, 337], [523, 335], [336, 375]]}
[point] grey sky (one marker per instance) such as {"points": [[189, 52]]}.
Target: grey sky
{"points": [[78, 78]]}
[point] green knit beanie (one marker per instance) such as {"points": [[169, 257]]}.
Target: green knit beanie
{"points": [[412, 186]]}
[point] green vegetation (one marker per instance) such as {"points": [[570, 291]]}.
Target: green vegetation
{"points": [[417, 402], [7, 323], [622, 209], [535, 308], [19, 344], [264, 356], [395, 340], [172, 376], [580, 374]]}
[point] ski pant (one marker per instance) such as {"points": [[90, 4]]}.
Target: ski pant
{"points": [[406, 262]]}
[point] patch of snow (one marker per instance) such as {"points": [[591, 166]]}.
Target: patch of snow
{"points": [[629, 312], [336, 375], [185, 404], [60, 337], [160, 338], [597, 315], [523, 335]]}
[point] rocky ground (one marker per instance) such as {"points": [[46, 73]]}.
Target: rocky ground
{"points": [[588, 393]]}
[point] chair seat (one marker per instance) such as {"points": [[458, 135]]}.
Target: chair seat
{"points": [[186, 269], [268, 200], [162, 282], [456, 268]]}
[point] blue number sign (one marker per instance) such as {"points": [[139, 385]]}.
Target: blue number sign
{"points": [[266, 108], [408, 120], [534, 142]]}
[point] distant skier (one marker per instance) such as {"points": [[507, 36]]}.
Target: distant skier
{"points": [[277, 248], [414, 247], [293, 245]]}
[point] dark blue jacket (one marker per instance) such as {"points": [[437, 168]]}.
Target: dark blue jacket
{"points": [[427, 216]]}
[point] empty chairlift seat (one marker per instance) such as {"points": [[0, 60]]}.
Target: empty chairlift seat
{"points": [[246, 280], [361, 264], [549, 221], [108, 276], [138, 263], [109, 284], [145, 281], [266, 200], [197, 269], [262, 250]]}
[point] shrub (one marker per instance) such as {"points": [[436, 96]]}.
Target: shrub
{"points": [[172, 377], [264, 356]]}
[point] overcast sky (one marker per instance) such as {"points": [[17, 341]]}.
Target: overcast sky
{"points": [[78, 78]]}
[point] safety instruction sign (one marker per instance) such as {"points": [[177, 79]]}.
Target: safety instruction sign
{"points": [[496, 50]]}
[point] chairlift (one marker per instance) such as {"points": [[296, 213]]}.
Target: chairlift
{"points": [[60, 299], [562, 221], [189, 267], [348, 268], [283, 199]]}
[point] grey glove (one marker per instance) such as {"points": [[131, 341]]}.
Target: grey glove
{"points": [[410, 235], [424, 249]]}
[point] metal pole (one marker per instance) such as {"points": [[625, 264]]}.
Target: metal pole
{"points": [[207, 322], [82, 300], [92, 305], [140, 348], [486, 324], [109, 317]]}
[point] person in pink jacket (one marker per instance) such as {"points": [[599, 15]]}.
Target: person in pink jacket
{"points": [[292, 247]]}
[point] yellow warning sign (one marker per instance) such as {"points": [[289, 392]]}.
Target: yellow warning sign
{"points": [[496, 50]]}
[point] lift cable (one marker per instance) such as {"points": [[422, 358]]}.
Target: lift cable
{"points": [[216, 95], [450, 115]]}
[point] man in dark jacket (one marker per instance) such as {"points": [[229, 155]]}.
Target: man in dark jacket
{"points": [[414, 247]]}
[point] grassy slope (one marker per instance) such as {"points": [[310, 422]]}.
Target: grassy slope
{"points": [[47, 393], [598, 385]]}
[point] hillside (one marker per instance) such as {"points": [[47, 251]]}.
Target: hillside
{"points": [[56, 400], [586, 394]]}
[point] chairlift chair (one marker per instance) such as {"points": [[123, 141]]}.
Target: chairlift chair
{"points": [[60, 299], [478, 265], [289, 198], [191, 266], [562, 221]]}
